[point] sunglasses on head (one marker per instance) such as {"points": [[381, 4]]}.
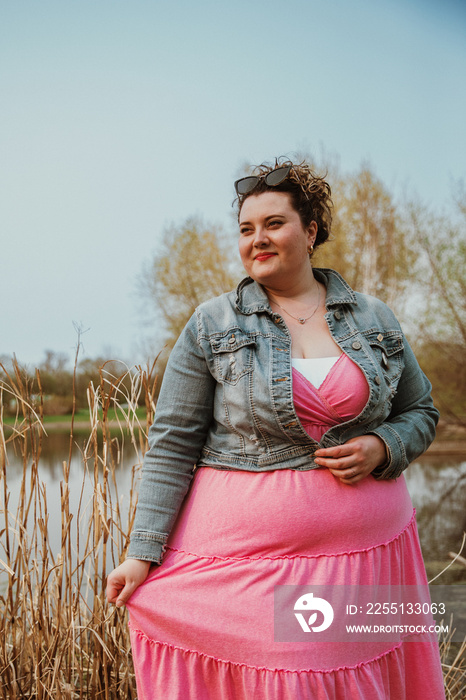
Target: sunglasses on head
{"points": [[275, 177]]}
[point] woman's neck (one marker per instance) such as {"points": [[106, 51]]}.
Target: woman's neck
{"points": [[300, 290]]}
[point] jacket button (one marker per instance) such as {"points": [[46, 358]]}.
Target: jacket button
{"points": [[380, 337], [337, 315], [356, 345], [232, 340], [377, 380]]}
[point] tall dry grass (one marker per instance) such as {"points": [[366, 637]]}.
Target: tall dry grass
{"points": [[453, 657], [59, 638]]}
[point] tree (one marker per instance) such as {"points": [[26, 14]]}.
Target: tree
{"points": [[194, 264], [369, 246], [441, 338], [56, 379]]}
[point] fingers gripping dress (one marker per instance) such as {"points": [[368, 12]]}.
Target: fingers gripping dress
{"points": [[202, 625]]}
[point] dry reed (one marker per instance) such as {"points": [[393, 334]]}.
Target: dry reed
{"points": [[454, 665], [59, 637]]}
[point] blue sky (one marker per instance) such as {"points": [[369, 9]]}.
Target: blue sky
{"points": [[120, 118]]}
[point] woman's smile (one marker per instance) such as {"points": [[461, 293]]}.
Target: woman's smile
{"points": [[264, 256]]}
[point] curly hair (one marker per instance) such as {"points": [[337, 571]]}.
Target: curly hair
{"points": [[310, 194]]}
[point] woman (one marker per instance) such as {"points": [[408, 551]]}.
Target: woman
{"points": [[296, 403]]}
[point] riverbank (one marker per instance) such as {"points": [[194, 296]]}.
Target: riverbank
{"points": [[449, 441]]}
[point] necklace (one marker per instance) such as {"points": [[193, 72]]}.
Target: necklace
{"points": [[301, 319]]}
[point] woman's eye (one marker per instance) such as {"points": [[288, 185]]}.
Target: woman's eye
{"points": [[245, 231]]}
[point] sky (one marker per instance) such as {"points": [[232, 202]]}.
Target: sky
{"points": [[119, 119]]}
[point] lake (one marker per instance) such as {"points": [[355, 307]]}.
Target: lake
{"points": [[437, 486]]}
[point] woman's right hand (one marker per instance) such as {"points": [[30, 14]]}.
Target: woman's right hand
{"points": [[123, 581]]}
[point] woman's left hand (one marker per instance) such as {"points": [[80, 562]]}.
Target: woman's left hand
{"points": [[355, 459]]}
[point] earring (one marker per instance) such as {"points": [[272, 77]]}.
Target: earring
{"points": [[310, 251]]}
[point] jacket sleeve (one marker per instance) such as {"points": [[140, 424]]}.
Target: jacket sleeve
{"points": [[410, 427], [182, 419]]}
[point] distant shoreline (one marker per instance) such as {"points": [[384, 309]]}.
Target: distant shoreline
{"points": [[442, 446]]}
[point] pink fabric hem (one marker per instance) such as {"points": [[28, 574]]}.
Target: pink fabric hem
{"points": [[298, 556], [200, 655], [168, 672]]}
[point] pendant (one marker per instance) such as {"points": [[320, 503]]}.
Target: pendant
{"points": [[302, 320]]}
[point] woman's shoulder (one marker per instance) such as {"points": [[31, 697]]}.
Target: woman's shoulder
{"points": [[215, 304], [247, 297], [377, 309], [371, 307], [211, 317], [232, 310], [217, 314]]}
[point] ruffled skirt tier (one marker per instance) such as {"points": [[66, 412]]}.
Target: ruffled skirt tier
{"points": [[202, 625]]}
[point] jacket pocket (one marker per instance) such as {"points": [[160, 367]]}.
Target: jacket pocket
{"points": [[233, 355], [387, 347]]}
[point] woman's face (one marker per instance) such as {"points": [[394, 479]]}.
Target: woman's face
{"points": [[273, 243]]}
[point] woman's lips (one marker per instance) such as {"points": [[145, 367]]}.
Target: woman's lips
{"points": [[264, 256]]}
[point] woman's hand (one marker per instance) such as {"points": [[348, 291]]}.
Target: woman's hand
{"points": [[124, 580], [355, 459]]}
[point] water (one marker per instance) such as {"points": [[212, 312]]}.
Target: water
{"points": [[55, 451], [437, 486], [438, 490]]}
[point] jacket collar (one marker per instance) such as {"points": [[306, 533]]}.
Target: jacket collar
{"points": [[251, 297]]}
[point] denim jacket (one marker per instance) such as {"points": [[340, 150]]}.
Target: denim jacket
{"points": [[226, 399]]}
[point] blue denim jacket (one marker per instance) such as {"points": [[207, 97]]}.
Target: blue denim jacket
{"points": [[226, 399]]}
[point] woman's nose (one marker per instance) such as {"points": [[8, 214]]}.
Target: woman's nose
{"points": [[260, 236]]}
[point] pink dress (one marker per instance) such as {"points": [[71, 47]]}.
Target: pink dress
{"points": [[202, 625]]}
